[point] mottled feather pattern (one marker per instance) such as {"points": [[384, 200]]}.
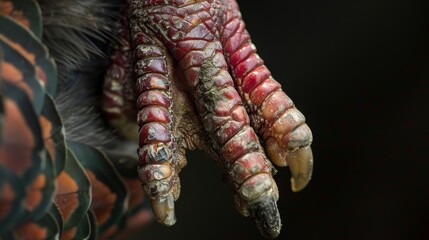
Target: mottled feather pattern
{"points": [[43, 121]]}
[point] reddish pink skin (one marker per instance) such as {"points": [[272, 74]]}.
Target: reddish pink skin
{"points": [[197, 34], [250, 73], [154, 133], [119, 71], [248, 165], [154, 110], [190, 32], [137, 81], [151, 82], [153, 114], [153, 97], [209, 43]]}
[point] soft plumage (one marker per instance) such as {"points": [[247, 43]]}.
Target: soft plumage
{"points": [[56, 180]]}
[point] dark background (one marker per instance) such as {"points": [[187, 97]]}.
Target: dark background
{"points": [[359, 71]]}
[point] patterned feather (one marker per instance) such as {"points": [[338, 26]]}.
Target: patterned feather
{"points": [[54, 183]]}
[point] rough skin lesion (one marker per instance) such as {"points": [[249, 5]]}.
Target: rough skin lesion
{"points": [[200, 84]]}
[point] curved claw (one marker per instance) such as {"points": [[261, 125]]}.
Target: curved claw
{"points": [[163, 209], [275, 118], [300, 163], [297, 155], [301, 167], [182, 37], [266, 216], [158, 184]]}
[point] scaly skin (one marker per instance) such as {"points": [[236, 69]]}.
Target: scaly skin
{"points": [[118, 91], [274, 116], [200, 84]]}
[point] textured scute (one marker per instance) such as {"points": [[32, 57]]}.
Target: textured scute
{"points": [[67, 166]]}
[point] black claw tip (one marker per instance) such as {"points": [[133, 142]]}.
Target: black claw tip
{"points": [[266, 216]]}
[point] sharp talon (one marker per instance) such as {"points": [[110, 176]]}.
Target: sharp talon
{"points": [[163, 209], [301, 167], [266, 216]]}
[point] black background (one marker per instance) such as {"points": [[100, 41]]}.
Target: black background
{"points": [[359, 71]]}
